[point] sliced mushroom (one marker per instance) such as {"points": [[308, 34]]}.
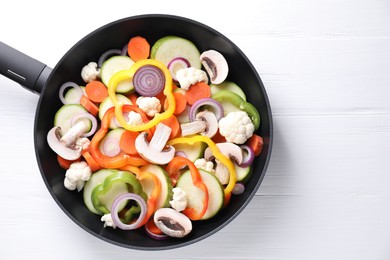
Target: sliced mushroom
{"points": [[70, 138], [222, 173], [193, 127], [172, 222], [215, 65], [71, 152], [231, 150], [156, 151], [211, 122]]}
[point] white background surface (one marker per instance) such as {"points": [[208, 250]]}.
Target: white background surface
{"points": [[326, 68]]}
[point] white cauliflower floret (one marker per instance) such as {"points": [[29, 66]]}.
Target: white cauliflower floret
{"points": [[236, 127], [150, 105], [134, 118], [90, 72], [179, 199], [190, 76], [202, 163], [77, 174], [108, 222], [83, 143]]}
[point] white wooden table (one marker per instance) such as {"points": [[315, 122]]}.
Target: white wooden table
{"points": [[326, 68]]}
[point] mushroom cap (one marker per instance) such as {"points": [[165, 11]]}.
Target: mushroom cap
{"points": [[172, 222], [60, 148], [215, 65], [229, 149]]}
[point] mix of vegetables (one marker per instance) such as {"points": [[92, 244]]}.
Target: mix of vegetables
{"points": [[157, 138]]}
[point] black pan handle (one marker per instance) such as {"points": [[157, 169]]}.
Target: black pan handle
{"points": [[21, 68]]}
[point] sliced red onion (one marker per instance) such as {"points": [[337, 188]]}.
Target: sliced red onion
{"points": [[177, 63], [238, 189], [249, 156], [93, 120], [107, 54], [148, 81], [66, 85], [111, 147], [118, 202], [155, 236], [215, 105], [124, 50]]}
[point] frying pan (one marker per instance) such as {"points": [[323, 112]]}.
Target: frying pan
{"points": [[45, 81]]}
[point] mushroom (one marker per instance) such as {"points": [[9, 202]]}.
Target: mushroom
{"points": [[172, 222], [215, 65], [155, 151], [66, 146], [205, 123], [231, 150]]}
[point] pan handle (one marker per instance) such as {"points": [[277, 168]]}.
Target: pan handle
{"points": [[28, 72]]}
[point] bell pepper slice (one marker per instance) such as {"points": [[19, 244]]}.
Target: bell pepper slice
{"points": [[152, 199], [122, 158], [217, 154], [118, 176], [128, 75], [173, 167]]}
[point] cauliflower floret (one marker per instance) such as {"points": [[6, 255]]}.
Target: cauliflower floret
{"points": [[190, 76], [202, 163], [150, 105], [236, 127], [83, 142], [108, 222], [77, 174], [134, 119], [179, 199], [90, 72]]}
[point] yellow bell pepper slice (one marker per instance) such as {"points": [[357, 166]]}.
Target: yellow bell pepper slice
{"points": [[217, 154], [128, 75]]}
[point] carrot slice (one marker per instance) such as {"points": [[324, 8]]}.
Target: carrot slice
{"points": [[256, 143], [174, 124], [91, 162], [96, 91], [181, 103], [127, 142], [197, 91], [89, 105], [138, 48]]}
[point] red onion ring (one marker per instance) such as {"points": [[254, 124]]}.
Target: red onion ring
{"points": [[217, 108], [124, 50], [238, 189], [148, 81], [182, 62], [116, 204], [66, 85], [93, 120], [111, 147], [249, 156], [107, 54]]}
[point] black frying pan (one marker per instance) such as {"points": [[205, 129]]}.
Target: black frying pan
{"points": [[45, 81]]}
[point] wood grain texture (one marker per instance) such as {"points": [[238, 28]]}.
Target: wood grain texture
{"points": [[326, 69]]}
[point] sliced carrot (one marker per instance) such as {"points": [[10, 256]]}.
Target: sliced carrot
{"points": [[138, 48], [181, 103], [174, 124], [127, 142], [256, 143], [96, 91], [91, 162], [89, 105], [64, 163], [197, 91]]}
